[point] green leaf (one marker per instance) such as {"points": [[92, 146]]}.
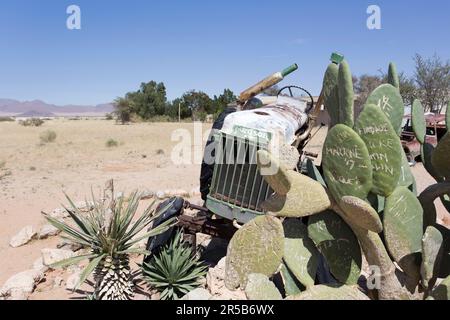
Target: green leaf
{"points": [[89, 269]]}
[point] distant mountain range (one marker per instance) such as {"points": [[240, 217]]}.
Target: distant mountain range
{"points": [[38, 108]]}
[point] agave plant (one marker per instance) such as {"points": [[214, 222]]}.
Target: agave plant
{"points": [[110, 232], [175, 271]]}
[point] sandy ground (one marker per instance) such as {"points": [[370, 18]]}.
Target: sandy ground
{"points": [[75, 162], [79, 160]]}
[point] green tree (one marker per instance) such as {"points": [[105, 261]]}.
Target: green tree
{"points": [[149, 101], [432, 77], [199, 103], [223, 100], [123, 110]]}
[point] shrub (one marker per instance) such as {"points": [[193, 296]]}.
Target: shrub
{"points": [[111, 143], [6, 119], [175, 271], [48, 136], [33, 122]]}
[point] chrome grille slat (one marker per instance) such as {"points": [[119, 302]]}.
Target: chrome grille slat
{"points": [[236, 178]]}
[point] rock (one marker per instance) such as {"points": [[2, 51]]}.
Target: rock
{"points": [[21, 285], [47, 231], [59, 213], [216, 284], [195, 192], [58, 282], [148, 195], [23, 237], [72, 280], [69, 245], [38, 265], [51, 256], [197, 295], [84, 206], [161, 195]]}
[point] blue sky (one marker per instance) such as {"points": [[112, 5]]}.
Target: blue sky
{"points": [[203, 45]]}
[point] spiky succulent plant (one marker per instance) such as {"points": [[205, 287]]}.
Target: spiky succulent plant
{"points": [[175, 271], [110, 232]]}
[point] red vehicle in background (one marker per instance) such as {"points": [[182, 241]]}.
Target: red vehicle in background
{"points": [[436, 129]]}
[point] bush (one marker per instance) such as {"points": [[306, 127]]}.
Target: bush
{"points": [[175, 270], [48, 136], [6, 119], [111, 143], [33, 122]]}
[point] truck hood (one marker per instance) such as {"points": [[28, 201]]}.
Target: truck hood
{"points": [[278, 121]]}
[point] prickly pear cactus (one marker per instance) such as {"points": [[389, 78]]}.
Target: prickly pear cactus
{"points": [[418, 121], [257, 247], [388, 98], [441, 157], [291, 285], [331, 93], [259, 287], [406, 177], [426, 151], [331, 292], [296, 195], [393, 76], [346, 163], [300, 253], [362, 213], [336, 241], [384, 148], [442, 291], [403, 229], [314, 173], [432, 251], [447, 117], [346, 95]]}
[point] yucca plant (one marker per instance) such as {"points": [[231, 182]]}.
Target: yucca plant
{"points": [[110, 232], [175, 270]]}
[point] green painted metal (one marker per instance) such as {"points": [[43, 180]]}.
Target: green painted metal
{"points": [[336, 58], [289, 70]]}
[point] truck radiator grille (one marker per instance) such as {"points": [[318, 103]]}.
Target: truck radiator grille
{"points": [[237, 179]]}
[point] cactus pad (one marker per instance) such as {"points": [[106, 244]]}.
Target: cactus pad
{"points": [[418, 121], [426, 151], [384, 147], [403, 229], [300, 254], [361, 213], [337, 242], [447, 117], [432, 251], [346, 163], [346, 94], [442, 291], [257, 247], [291, 285], [441, 157], [388, 98], [304, 196], [331, 93], [393, 76], [314, 173], [259, 287], [406, 177], [331, 292]]}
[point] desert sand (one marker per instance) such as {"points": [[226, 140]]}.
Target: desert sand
{"points": [[78, 160]]}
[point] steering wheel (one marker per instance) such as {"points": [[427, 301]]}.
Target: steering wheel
{"points": [[290, 88]]}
